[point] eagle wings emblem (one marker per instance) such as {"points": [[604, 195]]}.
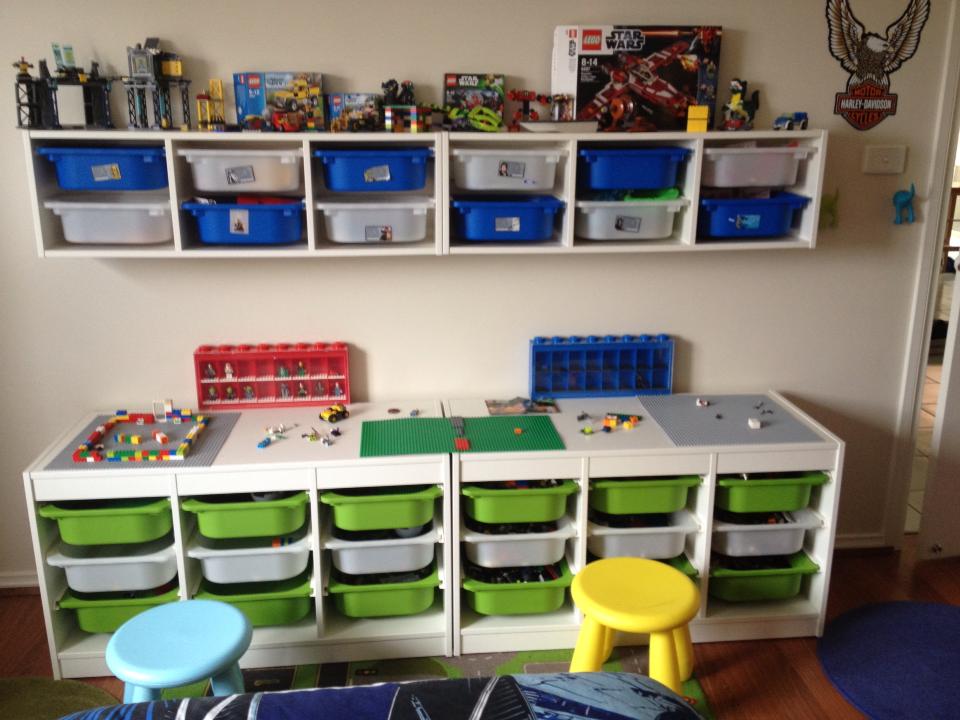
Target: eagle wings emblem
{"points": [[868, 57]]}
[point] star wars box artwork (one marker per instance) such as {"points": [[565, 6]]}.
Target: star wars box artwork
{"points": [[476, 100], [636, 78]]}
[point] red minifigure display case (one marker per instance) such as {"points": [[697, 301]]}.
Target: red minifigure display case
{"points": [[265, 375]]}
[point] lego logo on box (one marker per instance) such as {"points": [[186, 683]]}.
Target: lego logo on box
{"points": [[592, 39], [253, 82]]}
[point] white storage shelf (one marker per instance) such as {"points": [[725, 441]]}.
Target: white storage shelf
{"points": [[439, 236], [449, 627]]}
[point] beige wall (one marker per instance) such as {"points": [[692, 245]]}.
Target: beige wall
{"points": [[828, 326]]}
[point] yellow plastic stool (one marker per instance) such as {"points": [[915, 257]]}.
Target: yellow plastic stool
{"points": [[636, 596]]}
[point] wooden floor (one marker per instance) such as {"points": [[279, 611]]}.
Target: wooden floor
{"points": [[751, 680]]}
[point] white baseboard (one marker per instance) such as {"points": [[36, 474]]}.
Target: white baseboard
{"points": [[18, 579], [859, 541]]}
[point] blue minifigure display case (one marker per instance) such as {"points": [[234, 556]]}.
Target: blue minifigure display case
{"points": [[608, 366]]}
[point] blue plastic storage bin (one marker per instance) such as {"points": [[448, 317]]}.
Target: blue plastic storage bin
{"points": [[242, 224], [608, 366], [748, 217], [630, 168], [375, 170], [108, 168], [507, 218]]}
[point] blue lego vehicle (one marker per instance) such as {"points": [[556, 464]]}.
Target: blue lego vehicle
{"points": [[791, 121]]}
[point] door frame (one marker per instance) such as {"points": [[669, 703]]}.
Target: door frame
{"points": [[938, 181]]}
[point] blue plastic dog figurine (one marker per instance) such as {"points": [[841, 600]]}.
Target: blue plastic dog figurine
{"points": [[903, 201]]}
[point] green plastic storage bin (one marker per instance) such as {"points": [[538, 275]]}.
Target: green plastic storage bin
{"points": [[106, 612], [530, 598], [386, 599], [110, 522], [763, 583], [683, 564], [767, 493], [517, 505], [641, 495], [249, 518], [388, 510], [281, 602]]}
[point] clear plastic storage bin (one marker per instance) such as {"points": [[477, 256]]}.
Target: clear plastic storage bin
{"points": [[656, 543], [115, 219], [362, 557], [750, 539], [112, 568], [376, 222], [752, 166], [506, 169], [242, 560], [244, 170], [517, 550], [626, 220]]}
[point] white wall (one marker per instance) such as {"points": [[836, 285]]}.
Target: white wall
{"points": [[827, 326]]}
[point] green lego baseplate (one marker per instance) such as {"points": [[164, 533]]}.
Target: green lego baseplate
{"points": [[420, 436]]}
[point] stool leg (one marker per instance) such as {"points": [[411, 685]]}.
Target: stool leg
{"points": [[663, 660], [681, 638], [227, 682], [588, 655], [608, 635], [137, 693]]}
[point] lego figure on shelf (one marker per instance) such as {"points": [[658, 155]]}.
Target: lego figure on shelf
{"points": [[228, 371], [248, 393], [282, 371], [284, 391], [738, 113], [230, 393], [212, 394], [337, 390], [301, 369], [210, 111], [321, 389], [302, 390], [156, 72], [209, 371]]}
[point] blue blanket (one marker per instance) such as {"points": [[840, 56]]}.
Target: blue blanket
{"points": [[559, 696]]}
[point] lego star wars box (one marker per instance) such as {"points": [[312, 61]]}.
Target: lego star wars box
{"points": [[286, 101], [631, 77], [477, 100]]}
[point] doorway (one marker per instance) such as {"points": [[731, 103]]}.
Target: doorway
{"points": [[933, 374]]}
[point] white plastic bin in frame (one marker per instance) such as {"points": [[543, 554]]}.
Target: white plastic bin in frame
{"points": [[116, 568], [115, 219], [626, 220], [382, 221], [241, 560], [748, 540], [360, 557], [505, 169], [752, 166], [655, 543], [241, 171], [517, 549]]}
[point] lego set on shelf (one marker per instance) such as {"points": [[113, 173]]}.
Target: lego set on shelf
{"points": [[268, 375]]}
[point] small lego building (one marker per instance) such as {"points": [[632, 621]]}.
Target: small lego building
{"points": [[155, 72], [210, 108], [525, 113]]}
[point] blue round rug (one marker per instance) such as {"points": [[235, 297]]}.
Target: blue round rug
{"points": [[896, 660]]}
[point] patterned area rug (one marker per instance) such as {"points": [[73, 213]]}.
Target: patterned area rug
{"points": [[625, 659]]}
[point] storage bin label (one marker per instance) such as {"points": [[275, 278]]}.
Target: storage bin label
{"points": [[746, 222], [378, 233], [101, 173], [239, 222], [625, 223], [511, 168], [377, 173], [507, 224], [240, 175]]}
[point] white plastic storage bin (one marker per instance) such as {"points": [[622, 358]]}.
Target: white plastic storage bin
{"points": [[627, 220], [741, 540], [752, 166], [517, 549], [656, 543], [506, 169], [242, 171], [251, 559], [359, 557], [376, 222], [120, 219], [116, 568]]}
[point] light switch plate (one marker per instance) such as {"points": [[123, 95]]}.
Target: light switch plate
{"points": [[884, 159]]}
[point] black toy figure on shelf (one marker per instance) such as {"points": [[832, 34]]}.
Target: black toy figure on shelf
{"points": [[738, 113]]}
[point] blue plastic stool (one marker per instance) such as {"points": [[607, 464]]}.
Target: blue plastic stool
{"points": [[177, 644]]}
